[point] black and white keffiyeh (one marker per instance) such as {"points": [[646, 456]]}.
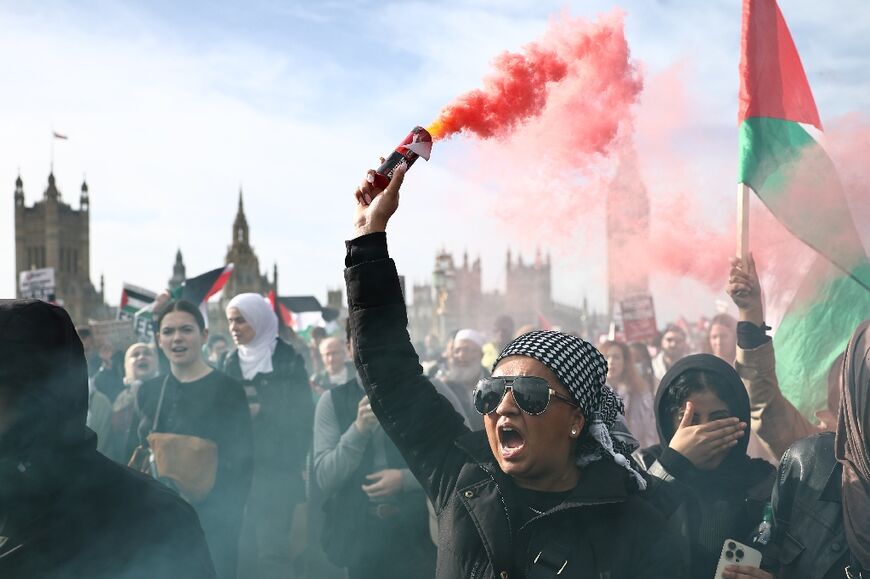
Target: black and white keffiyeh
{"points": [[583, 371]]}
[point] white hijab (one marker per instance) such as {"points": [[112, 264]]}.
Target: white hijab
{"points": [[256, 356]]}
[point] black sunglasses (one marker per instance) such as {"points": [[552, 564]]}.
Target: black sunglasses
{"points": [[531, 394]]}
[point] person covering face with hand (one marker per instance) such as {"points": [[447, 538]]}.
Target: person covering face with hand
{"points": [[710, 488], [547, 486]]}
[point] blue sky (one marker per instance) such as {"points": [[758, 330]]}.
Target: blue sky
{"points": [[171, 106]]}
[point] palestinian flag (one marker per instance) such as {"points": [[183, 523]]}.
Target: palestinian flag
{"points": [[303, 313], [199, 289], [782, 159], [781, 154], [133, 299], [285, 316]]}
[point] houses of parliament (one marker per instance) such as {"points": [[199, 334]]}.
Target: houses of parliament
{"points": [[52, 234]]}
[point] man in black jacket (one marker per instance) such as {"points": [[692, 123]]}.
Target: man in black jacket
{"points": [[66, 511], [545, 489]]}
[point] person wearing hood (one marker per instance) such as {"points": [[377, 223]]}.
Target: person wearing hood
{"points": [[282, 413], [544, 489], [710, 488], [67, 511], [200, 417], [821, 502]]}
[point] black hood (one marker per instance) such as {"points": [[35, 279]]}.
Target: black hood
{"points": [[738, 399], [43, 361]]}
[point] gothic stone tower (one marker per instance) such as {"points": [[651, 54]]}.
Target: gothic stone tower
{"points": [[628, 230], [246, 267], [528, 291], [53, 234], [179, 272], [246, 276]]}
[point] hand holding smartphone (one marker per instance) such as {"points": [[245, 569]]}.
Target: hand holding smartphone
{"points": [[736, 553]]}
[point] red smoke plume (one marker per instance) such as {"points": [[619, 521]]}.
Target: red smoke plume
{"points": [[569, 135], [523, 85]]}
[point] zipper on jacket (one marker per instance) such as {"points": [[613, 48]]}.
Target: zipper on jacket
{"points": [[475, 569], [507, 513]]}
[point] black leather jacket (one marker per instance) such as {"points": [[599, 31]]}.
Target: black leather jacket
{"points": [[809, 541], [602, 529]]}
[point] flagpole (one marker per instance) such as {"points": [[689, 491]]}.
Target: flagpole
{"points": [[743, 224]]}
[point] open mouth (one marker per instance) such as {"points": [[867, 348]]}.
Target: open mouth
{"points": [[142, 365], [179, 350], [510, 441]]}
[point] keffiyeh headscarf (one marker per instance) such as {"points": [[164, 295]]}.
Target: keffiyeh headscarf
{"points": [[583, 371]]}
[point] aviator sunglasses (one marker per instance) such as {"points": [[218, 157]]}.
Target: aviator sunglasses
{"points": [[531, 394]]}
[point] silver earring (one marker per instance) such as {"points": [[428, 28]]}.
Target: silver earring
{"points": [[573, 432]]}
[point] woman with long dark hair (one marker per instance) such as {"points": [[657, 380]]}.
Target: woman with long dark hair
{"points": [[201, 409], [623, 377]]}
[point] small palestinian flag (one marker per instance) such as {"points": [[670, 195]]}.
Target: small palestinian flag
{"points": [[285, 316], [302, 313], [133, 299], [199, 289]]}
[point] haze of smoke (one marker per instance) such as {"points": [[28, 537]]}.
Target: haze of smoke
{"points": [[574, 60], [549, 181]]}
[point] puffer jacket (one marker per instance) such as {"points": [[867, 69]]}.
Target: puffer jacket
{"points": [[809, 540], [67, 511], [603, 529]]}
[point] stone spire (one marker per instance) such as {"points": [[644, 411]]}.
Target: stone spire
{"points": [[179, 273], [51, 193], [19, 191], [84, 199], [240, 225]]}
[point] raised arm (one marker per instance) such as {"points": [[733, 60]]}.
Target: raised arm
{"points": [[421, 423], [775, 420]]}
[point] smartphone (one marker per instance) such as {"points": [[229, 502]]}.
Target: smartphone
{"points": [[736, 553]]}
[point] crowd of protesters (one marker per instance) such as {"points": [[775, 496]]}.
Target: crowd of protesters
{"points": [[523, 453]]}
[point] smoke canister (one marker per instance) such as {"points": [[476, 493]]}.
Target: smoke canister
{"points": [[417, 144]]}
